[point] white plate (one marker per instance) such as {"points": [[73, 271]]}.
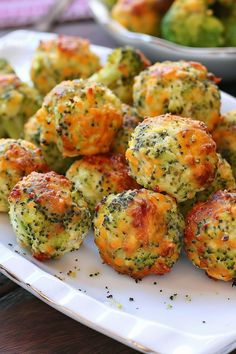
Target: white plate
{"points": [[221, 61], [152, 322]]}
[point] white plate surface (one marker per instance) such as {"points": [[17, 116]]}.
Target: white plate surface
{"points": [[200, 318], [221, 61]]}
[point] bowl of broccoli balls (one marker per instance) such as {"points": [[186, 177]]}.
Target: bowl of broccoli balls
{"points": [[201, 30]]}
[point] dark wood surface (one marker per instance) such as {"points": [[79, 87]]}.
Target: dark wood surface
{"points": [[29, 326]]}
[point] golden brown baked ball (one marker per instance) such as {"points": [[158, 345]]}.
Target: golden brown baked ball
{"points": [[182, 88], [138, 15], [99, 175], [224, 135], [210, 239], [81, 117], [62, 58], [18, 158], [48, 215], [172, 154], [138, 232]]}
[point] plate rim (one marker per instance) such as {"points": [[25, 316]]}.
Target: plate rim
{"points": [[29, 276], [35, 280]]}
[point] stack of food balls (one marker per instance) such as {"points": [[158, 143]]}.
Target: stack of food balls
{"points": [[128, 145]]}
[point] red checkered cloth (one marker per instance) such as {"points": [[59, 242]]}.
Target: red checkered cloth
{"points": [[18, 13]]}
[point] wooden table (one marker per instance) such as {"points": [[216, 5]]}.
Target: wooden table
{"points": [[28, 326]]}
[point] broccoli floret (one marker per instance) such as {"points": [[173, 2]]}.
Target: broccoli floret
{"points": [[122, 65], [191, 23]]}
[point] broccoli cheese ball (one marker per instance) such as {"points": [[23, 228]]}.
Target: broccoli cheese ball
{"points": [[99, 175], [225, 138], [130, 120], [85, 117], [62, 58], [48, 215], [33, 132], [5, 67], [18, 158], [191, 23], [172, 154], [122, 65], [183, 88], [224, 179], [210, 239], [18, 102], [138, 232], [138, 15]]}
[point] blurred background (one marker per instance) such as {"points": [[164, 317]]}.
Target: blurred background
{"points": [[72, 17]]}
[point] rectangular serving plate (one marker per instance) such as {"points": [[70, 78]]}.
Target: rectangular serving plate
{"points": [[183, 312]]}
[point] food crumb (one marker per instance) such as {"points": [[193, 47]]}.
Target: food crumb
{"points": [[173, 297], [94, 274], [71, 273], [137, 280], [59, 277], [188, 298], [169, 307]]}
